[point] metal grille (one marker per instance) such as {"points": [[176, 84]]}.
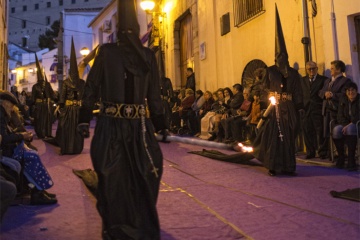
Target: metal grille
{"points": [[246, 10]]}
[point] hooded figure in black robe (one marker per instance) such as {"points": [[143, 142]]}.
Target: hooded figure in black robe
{"points": [[125, 154], [67, 136], [274, 145], [42, 96]]}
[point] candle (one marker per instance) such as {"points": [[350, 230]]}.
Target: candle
{"points": [[267, 111]]}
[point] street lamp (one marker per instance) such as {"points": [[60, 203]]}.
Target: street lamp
{"points": [[147, 5], [84, 51]]}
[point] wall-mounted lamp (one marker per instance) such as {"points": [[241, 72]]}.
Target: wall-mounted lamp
{"points": [[147, 5], [84, 51], [14, 71], [31, 70]]}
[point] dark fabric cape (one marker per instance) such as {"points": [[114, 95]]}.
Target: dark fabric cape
{"points": [[242, 158], [128, 189], [42, 112], [90, 179], [67, 136], [350, 194], [277, 153]]}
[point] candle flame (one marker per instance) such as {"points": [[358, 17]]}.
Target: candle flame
{"points": [[272, 100]]}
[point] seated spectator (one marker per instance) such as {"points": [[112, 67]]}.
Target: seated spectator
{"points": [[193, 115], [12, 146], [238, 121], [9, 176], [184, 108], [235, 103], [254, 117], [345, 132], [210, 122], [205, 112]]}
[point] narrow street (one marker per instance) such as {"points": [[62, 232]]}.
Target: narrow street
{"points": [[200, 198]]}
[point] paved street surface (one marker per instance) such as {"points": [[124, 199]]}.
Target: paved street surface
{"points": [[201, 198]]}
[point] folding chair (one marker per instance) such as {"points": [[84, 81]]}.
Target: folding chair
{"points": [[331, 142]]}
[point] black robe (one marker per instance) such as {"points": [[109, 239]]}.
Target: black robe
{"points": [[275, 152], [128, 189], [43, 96], [67, 137]]}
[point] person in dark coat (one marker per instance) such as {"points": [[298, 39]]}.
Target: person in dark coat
{"points": [[312, 124], [67, 136], [331, 93], [166, 93], [274, 145], [345, 132], [190, 79], [124, 151], [42, 96]]}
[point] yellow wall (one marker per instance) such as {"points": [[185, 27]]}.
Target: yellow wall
{"points": [[227, 56]]}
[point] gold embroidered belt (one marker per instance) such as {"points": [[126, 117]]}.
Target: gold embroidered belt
{"points": [[73, 103], [281, 96], [39, 100], [122, 110]]}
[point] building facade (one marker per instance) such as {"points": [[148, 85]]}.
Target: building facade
{"points": [[4, 4], [31, 18], [224, 41]]}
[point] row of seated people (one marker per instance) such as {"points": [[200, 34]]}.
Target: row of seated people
{"points": [[223, 116], [232, 115]]}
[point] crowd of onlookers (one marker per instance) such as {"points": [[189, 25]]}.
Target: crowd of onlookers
{"points": [[231, 115]]}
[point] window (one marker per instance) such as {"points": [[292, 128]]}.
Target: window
{"points": [[61, 2], [47, 20], [86, 0], [24, 42], [48, 4], [12, 10], [246, 10], [36, 6], [23, 23], [73, 1], [24, 8]]}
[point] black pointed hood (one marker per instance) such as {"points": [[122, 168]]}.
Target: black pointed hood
{"points": [[128, 30], [281, 55], [74, 71], [40, 77]]}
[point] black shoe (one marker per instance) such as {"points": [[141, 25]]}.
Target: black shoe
{"points": [[310, 155], [40, 198], [272, 173], [51, 195]]}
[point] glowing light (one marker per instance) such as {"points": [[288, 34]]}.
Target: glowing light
{"points": [[147, 5], [84, 51], [272, 100]]}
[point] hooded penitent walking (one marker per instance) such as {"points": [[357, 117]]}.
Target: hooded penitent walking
{"points": [[274, 145], [124, 152], [67, 137], [42, 96]]}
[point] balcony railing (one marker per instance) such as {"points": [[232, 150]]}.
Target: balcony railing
{"points": [[246, 10]]}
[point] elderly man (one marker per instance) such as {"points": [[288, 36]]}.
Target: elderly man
{"points": [[312, 123]]}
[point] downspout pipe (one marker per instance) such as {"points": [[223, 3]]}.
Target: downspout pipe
{"points": [[306, 39], [334, 32]]}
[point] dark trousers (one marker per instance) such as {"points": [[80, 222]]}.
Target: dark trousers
{"points": [[313, 132]]}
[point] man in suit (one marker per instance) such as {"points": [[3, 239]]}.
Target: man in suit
{"points": [[332, 91], [312, 123]]}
